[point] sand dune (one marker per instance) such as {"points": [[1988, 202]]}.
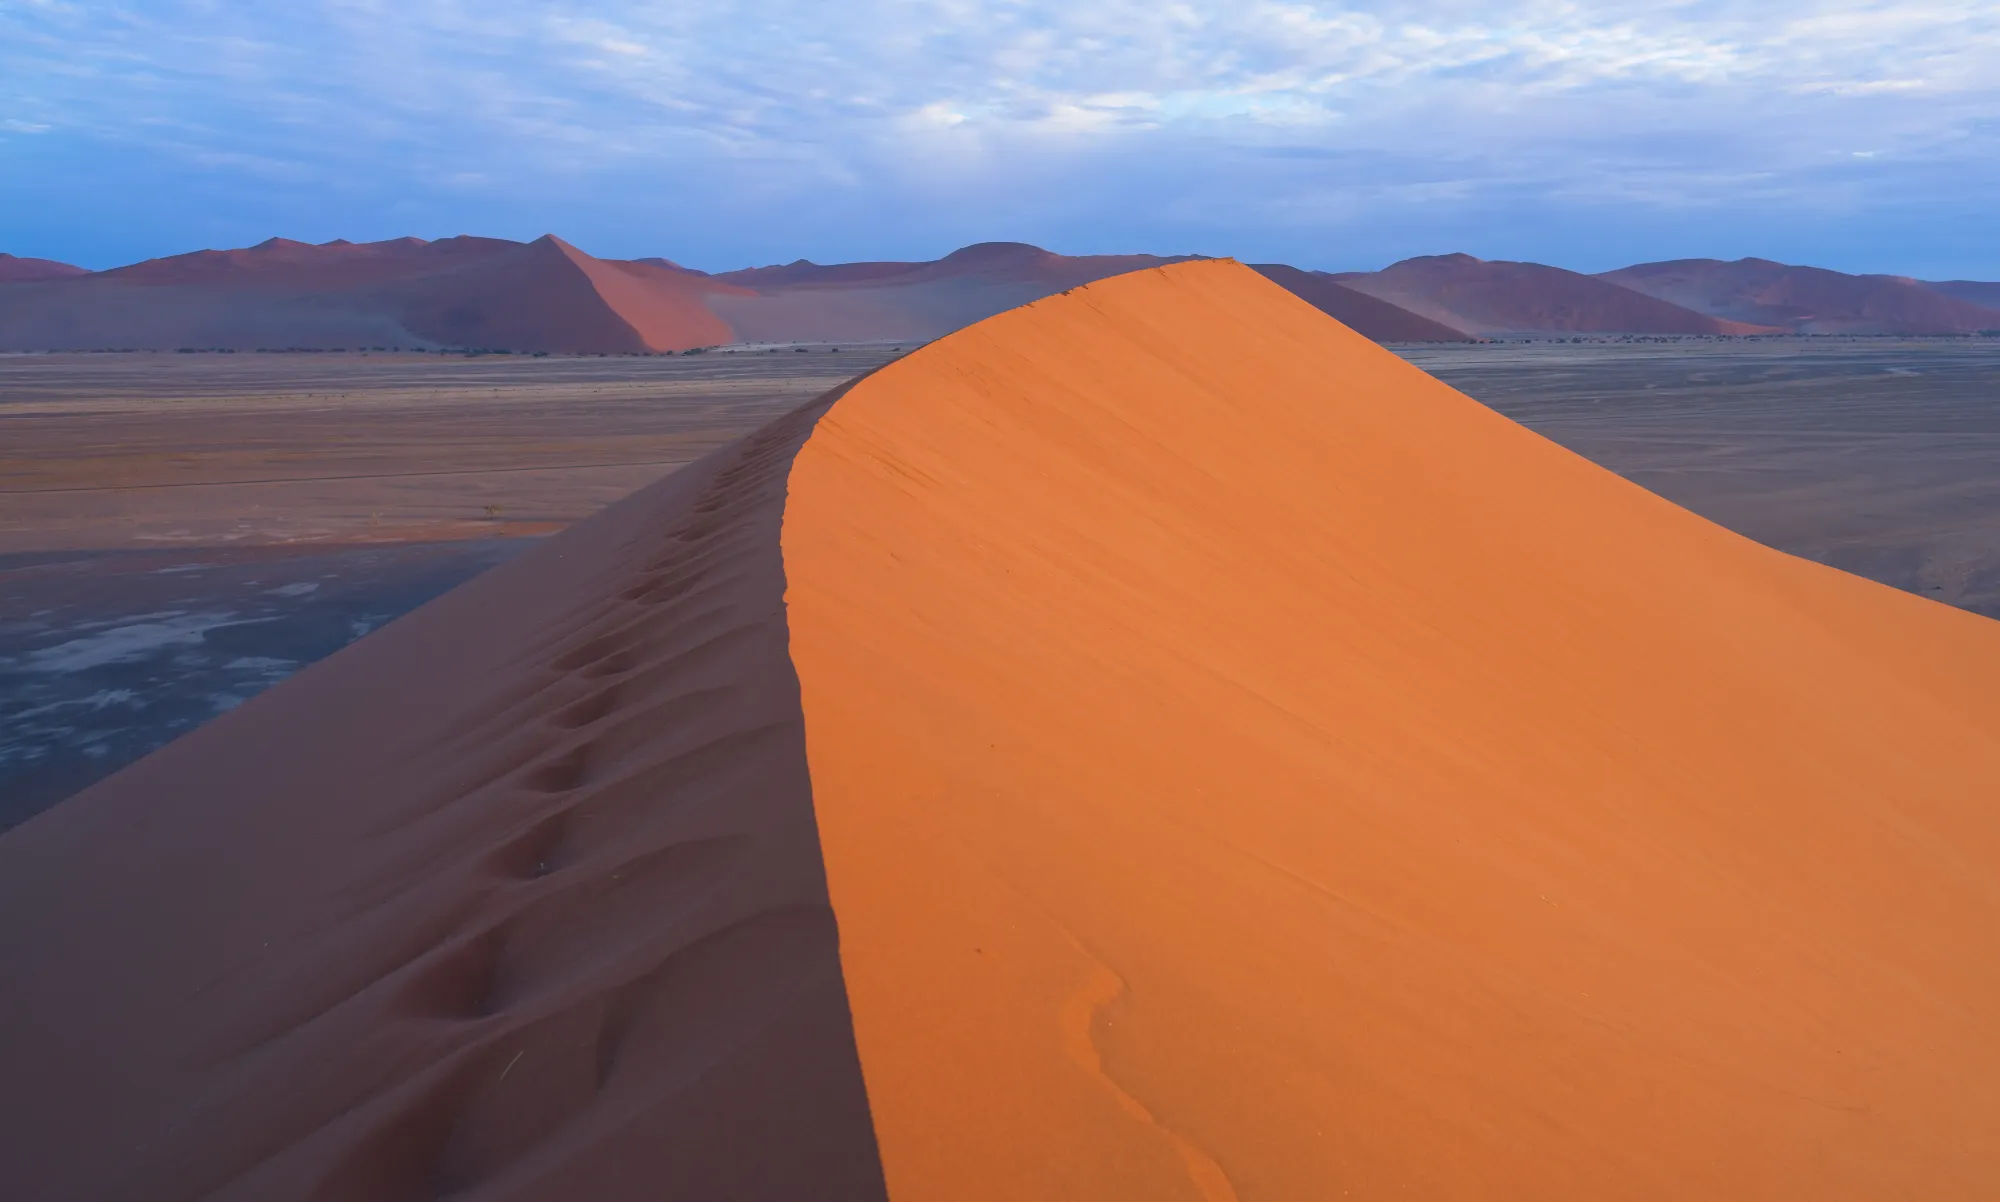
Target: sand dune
{"points": [[1808, 300], [284, 265], [1366, 315], [546, 295], [455, 292], [18, 270], [1239, 767], [1017, 261], [518, 898], [1528, 298], [1978, 292], [549, 296], [882, 302], [1242, 777], [916, 302]]}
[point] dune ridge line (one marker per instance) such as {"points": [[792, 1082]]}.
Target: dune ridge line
{"points": [[1461, 819]]}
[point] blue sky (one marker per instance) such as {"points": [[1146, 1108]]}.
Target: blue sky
{"points": [[1861, 136]]}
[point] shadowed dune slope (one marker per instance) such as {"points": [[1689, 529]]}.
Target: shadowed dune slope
{"points": [[1366, 315], [519, 898], [1979, 292], [456, 292], [1809, 300], [1526, 298], [14, 269], [919, 301], [1248, 768], [547, 295], [884, 302]]}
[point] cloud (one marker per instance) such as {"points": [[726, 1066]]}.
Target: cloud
{"points": [[1301, 108]]}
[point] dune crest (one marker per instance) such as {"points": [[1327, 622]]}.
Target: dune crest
{"points": [[1248, 768], [1154, 744], [1499, 297]]}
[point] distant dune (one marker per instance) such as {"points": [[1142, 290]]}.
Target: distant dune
{"points": [[547, 295], [1811, 300], [490, 293], [1358, 311], [14, 270], [1153, 744], [1527, 298], [885, 302], [1979, 293], [456, 292]]}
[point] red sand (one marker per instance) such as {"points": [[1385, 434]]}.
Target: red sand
{"points": [[1513, 298], [987, 260], [1248, 768], [517, 899], [881, 302], [281, 264], [1240, 767], [16, 270], [486, 293], [1366, 315], [1808, 299], [547, 295], [904, 302]]}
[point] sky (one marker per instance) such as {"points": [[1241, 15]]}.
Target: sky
{"points": [[1862, 136]]}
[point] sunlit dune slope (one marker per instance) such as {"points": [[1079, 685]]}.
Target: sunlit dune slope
{"points": [[1248, 768], [1153, 744]]}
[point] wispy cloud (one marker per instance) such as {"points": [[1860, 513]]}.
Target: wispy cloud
{"points": [[1311, 116]]}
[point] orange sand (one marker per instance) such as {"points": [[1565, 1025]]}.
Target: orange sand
{"points": [[1151, 745], [1248, 768]]}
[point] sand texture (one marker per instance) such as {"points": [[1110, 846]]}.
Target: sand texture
{"points": [[1245, 779], [1980, 292], [1238, 766]]}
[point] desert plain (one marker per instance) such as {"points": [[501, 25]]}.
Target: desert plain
{"points": [[178, 532]]}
